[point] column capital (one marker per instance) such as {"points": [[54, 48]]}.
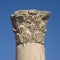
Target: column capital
{"points": [[29, 26]]}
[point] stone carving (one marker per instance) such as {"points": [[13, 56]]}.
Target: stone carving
{"points": [[29, 26]]}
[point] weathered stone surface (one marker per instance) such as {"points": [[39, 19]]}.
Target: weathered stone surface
{"points": [[30, 51], [29, 26]]}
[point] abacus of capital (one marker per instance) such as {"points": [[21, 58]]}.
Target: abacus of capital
{"points": [[29, 27]]}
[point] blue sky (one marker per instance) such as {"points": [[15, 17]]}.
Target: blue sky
{"points": [[52, 38]]}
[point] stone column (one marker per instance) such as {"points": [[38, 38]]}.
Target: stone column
{"points": [[29, 27]]}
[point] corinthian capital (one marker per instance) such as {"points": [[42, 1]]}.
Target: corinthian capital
{"points": [[29, 26]]}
